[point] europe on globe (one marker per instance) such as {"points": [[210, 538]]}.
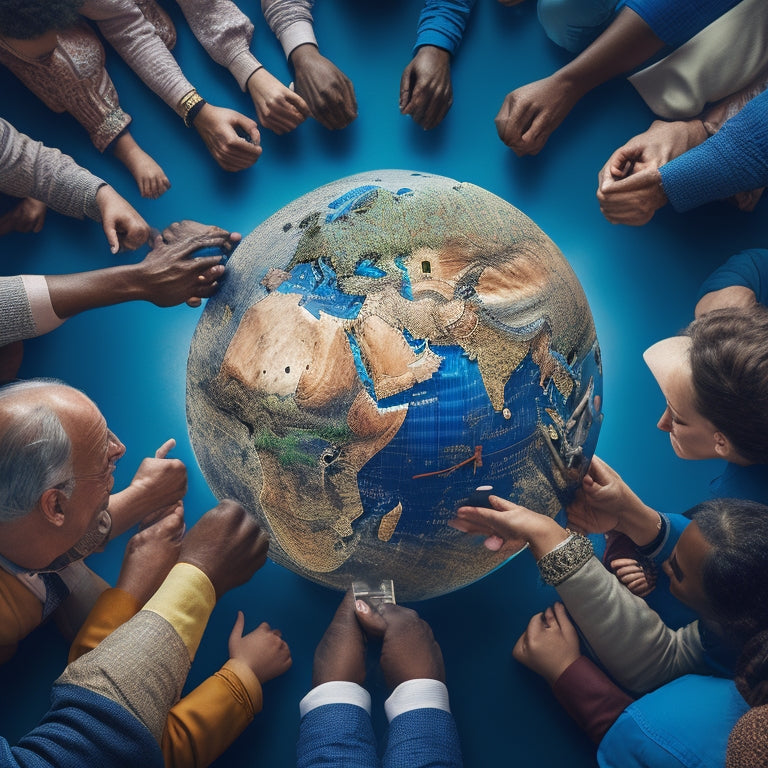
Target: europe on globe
{"points": [[378, 349]]}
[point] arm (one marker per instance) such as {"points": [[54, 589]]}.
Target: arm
{"points": [[426, 92], [741, 282], [630, 639], [530, 114], [735, 159], [30, 169], [166, 276]]}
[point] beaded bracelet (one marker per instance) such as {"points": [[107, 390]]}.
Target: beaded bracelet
{"points": [[188, 102], [556, 566]]}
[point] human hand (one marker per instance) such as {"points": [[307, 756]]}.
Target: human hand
{"points": [[278, 108], [530, 114], [171, 273], [340, 654], [606, 503], [324, 87], [227, 544], [409, 650], [630, 190], [426, 92], [218, 126], [263, 649], [28, 215], [550, 643], [124, 227], [637, 578], [159, 484], [509, 527]]}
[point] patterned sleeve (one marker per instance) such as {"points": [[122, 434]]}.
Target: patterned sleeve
{"points": [[291, 21]]}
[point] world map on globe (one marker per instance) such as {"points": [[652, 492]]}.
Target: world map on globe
{"points": [[379, 348]]}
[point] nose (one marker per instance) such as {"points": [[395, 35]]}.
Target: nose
{"points": [[665, 422], [116, 448]]}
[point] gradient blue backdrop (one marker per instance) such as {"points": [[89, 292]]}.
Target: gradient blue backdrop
{"points": [[131, 359]]}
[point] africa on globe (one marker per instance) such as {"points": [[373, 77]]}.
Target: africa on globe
{"points": [[379, 348]]}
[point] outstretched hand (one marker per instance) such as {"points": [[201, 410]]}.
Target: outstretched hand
{"points": [[426, 92], [278, 108], [124, 227], [324, 87], [508, 527], [340, 654], [263, 649], [218, 127], [550, 643], [530, 114]]}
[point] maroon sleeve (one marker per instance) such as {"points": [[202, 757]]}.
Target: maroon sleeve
{"points": [[590, 697]]}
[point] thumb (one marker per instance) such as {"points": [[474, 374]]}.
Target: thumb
{"points": [[370, 620], [237, 630], [163, 451], [112, 238]]}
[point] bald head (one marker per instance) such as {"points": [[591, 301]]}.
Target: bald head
{"points": [[37, 419]]}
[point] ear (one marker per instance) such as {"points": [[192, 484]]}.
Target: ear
{"points": [[50, 506], [723, 447]]}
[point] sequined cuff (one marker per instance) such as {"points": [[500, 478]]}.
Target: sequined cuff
{"points": [[556, 566]]}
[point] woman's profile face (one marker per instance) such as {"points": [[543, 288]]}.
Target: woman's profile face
{"points": [[692, 435], [684, 568]]}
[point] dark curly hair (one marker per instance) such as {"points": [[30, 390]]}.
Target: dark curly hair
{"points": [[27, 19], [729, 368]]}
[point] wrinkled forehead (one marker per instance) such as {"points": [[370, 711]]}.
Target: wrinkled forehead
{"points": [[669, 362]]}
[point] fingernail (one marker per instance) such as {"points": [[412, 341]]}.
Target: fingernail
{"points": [[362, 606]]}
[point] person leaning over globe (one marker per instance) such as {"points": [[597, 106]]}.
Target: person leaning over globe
{"points": [[717, 568]]}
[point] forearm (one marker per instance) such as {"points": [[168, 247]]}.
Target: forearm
{"points": [[639, 521], [627, 43], [590, 697], [207, 720], [129, 505], [135, 39], [113, 608], [74, 293], [30, 169], [442, 23], [630, 640], [734, 160], [747, 269], [142, 665], [291, 22], [225, 32]]}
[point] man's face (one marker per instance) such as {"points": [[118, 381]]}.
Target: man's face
{"points": [[95, 451]]}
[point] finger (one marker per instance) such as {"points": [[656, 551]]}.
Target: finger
{"points": [[112, 238], [212, 274], [298, 104], [493, 543], [164, 449], [194, 302], [237, 630], [372, 622]]}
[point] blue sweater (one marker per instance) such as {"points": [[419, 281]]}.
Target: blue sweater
{"points": [[442, 23], [734, 160], [748, 269]]}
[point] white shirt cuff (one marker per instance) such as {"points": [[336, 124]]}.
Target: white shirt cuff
{"points": [[417, 694], [336, 692], [297, 34]]}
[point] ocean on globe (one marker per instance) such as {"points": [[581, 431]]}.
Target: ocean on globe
{"points": [[378, 349]]}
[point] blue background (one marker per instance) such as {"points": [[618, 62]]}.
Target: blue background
{"points": [[131, 359]]}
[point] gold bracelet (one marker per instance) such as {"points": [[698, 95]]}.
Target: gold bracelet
{"points": [[187, 102]]}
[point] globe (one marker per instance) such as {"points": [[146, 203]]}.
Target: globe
{"points": [[380, 348]]}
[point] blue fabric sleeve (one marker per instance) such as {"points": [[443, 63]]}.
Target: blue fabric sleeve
{"points": [[423, 738], [442, 23], [734, 160], [676, 21], [748, 269], [677, 524], [334, 735], [684, 723], [80, 729]]}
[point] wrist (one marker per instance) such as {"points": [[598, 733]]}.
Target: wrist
{"points": [[642, 525], [545, 535], [303, 53]]}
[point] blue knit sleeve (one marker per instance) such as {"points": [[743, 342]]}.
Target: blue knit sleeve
{"points": [[336, 734], [734, 160], [675, 21], [442, 23], [423, 738], [748, 269]]}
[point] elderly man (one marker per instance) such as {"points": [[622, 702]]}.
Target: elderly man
{"points": [[57, 457], [110, 706]]}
